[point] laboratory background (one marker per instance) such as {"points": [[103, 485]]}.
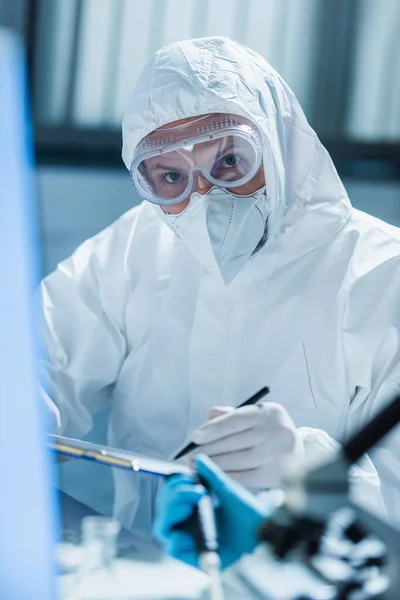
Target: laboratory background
{"points": [[83, 57], [341, 58]]}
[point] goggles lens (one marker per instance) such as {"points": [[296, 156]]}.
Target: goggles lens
{"points": [[165, 171]]}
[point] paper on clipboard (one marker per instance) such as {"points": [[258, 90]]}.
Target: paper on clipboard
{"points": [[113, 457]]}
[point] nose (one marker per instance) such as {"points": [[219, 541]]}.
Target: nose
{"points": [[202, 185]]}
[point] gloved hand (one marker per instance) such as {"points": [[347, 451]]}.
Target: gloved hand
{"points": [[249, 443], [238, 514]]}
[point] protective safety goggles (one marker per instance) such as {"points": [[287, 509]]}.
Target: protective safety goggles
{"points": [[225, 149]]}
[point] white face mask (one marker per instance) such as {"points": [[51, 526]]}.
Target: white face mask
{"points": [[221, 229]]}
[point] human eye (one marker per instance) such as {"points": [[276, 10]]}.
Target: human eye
{"points": [[231, 160], [230, 166], [172, 177]]}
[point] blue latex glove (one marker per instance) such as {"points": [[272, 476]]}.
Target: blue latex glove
{"points": [[238, 514]]}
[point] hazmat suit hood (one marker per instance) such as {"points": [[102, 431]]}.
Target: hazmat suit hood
{"points": [[216, 75]]}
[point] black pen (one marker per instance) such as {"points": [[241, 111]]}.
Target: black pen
{"points": [[252, 400]]}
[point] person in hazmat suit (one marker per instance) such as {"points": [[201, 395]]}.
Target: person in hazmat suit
{"points": [[245, 265]]}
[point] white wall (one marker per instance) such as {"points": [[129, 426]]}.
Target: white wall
{"points": [[381, 199], [75, 204]]}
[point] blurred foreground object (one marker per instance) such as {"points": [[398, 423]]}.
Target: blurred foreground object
{"points": [[351, 550], [25, 505]]}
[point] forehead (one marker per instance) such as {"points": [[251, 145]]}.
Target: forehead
{"points": [[189, 156], [199, 128], [180, 122]]}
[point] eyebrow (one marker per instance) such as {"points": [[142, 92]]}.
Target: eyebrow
{"points": [[230, 146], [159, 166], [163, 167]]}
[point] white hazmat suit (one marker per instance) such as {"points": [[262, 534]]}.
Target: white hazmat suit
{"points": [[133, 319]]}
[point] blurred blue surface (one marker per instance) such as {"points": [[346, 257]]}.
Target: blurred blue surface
{"points": [[26, 507]]}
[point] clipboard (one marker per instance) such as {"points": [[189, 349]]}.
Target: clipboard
{"points": [[114, 457]]}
